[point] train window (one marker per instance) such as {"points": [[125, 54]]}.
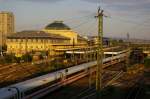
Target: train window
{"points": [[66, 70]]}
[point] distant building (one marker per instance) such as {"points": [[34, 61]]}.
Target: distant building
{"points": [[6, 25], [81, 40], [58, 27], [94, 40], [27, 41]]}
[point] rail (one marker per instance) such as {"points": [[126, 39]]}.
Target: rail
{"points": [[45, 79]]}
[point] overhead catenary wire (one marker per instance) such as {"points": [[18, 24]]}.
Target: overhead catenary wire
{"points": [[134, 26], [71, 19], [81, 24], [130, 21], [89, 27]]}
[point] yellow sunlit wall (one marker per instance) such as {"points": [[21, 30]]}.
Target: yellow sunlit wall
{"points": [[6, 25], [66, 33]]}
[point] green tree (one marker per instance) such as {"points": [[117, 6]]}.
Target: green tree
{"points": [[147, 62], [41, 57], [9, 58], [120, 41], [4, 47], [114, 42], [26, 57], [17, 59]]}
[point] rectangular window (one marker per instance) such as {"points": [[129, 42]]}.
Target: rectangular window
{"points": [[31, 47], [16, 40], [42, 41]]}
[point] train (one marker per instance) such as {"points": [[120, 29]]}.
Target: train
{"points": [[22, 89]]}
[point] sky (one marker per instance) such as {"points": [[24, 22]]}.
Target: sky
{"points": [[124, 16]]}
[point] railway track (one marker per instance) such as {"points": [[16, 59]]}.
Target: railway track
{"points": [[78, 89], [69, 91], [135, 90], [13, 73], [133, 93], [88, 94], [84, 93], [76, 92], [18, 72], [43, 80]]}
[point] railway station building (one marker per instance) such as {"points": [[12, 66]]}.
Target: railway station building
{"points": [[56, 38], [27, 41]]}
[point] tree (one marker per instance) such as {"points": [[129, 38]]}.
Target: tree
{"points": [[147, 62], [4, 48], [41, 57], [114, 42], [120, 41], [17, 59], [26, 57], [9, 58]]}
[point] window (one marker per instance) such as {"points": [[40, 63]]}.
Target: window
{"points": [[42, 40], [10, 47], [49, 41], [21, 40], [26, 40], [31, 40], [31, 47], [36, 40], [16, 40]]}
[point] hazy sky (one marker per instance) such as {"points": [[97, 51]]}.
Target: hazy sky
{"points": [[131, 16]]}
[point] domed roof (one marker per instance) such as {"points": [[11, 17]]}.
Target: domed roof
{"points": [[58, 25]]}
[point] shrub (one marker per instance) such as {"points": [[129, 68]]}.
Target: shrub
{"points": [[26, 57], [17, 59], [9, 58], [147, 62]]}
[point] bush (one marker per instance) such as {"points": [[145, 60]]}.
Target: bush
{"points": [[4, 48], [27, 57], [41, 57], [17, 59], [2, 60], [147, 62], [9, 58]]}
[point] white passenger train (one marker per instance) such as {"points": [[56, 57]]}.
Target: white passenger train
{"points": [[17, 91]]}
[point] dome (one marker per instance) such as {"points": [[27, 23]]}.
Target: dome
{"points": [[58, 25]]}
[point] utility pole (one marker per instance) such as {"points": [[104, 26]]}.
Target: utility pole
{"points": [[99, 52], [128, 53], [2, 36], [128, 39], [73, 50], [26, 49]]}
